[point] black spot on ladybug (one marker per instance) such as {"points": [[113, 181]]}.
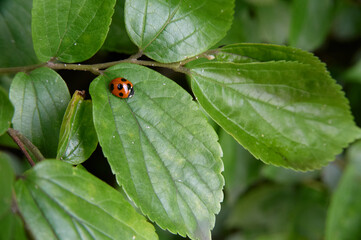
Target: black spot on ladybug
{"points": [[120, 86], [111, 87], [120, 94], [129, 86], [124, 80]]}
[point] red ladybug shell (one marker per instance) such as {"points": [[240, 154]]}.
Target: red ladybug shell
{"points": [[121, 87]]}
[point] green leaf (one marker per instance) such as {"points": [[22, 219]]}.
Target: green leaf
{"points": [[117, 39], [6, 111], [287, 176], [285, 113], [353, 74], [16, 46], [273, 21], [244, 26], [161, 148], [40, 99], [264, 22], [78, 139], [170, 31], [254, 210], [11, 227], [344, 219], [58, 201], [262, 2], [18, 165], [7, 177], [7, 141], [5, 82], [240, 167], [258, 52], [310, 23], [71, 31], [347, 22], [290, 213]]}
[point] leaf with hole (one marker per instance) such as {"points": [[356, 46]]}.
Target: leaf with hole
{"points": [[161, 148], [58, 201]]}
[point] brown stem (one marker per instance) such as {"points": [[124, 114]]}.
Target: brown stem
{"points": [[96, 68], [21, 69], [13, 134], [29, 145]]}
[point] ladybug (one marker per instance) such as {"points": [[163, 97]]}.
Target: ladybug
{"points": [[121, 87]]}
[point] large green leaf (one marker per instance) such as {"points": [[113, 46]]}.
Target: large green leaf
{"points": [[78, 139], [16, 46], [58, 201], [258, 52], [162, 150], [6, 111], [71, 31], [170, 31], [288, 112], [311, 22], [117, 39], [40, 99], [344, 219], [7, 177]]}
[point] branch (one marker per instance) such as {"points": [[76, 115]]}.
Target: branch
{"points": [[21, 69], [21, 139], [13, 135], [97, 68]]}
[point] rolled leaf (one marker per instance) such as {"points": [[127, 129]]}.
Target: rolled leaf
{"points": [[78, 138]]}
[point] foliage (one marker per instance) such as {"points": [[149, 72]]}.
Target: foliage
{"points": [[173, 148]]}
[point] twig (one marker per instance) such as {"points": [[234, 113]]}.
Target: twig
{"points": [[21, 69], [97, 68], [13, 134], [29, 145]]}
